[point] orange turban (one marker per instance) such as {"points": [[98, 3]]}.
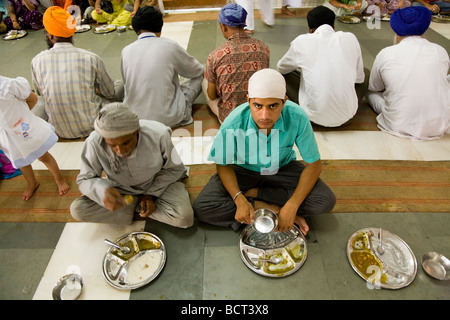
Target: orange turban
{"points": [[59, 22]]}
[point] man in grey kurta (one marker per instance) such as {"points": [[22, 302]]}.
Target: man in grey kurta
{"points": [[151, 67], [137, 158]]}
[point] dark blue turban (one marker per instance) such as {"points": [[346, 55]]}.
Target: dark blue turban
{"points": [[411, 21], [233, 15]]}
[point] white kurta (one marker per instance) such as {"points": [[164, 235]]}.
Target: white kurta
{"points": [[151, 67], [153, 166], [24, 137], [416, 100], [265, 9], [330, 64]]}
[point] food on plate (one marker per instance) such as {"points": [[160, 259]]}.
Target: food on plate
{"points": [[143, 267], [296, 251], [284, 266], [364, 260]]}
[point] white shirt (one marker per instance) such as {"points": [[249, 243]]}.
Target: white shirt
{"points": [[331, 63], [150, 69], [417, 93], [24, 137]]}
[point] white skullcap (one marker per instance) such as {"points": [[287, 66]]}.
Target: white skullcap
{"points": [[116, 120], [267, 83]]}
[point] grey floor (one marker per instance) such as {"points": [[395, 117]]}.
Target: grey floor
{"points": [[203, 261]]}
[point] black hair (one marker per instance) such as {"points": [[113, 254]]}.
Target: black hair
{"points": [[320, 15], [147, 18]]}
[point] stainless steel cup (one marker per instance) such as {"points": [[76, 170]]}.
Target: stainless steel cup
{"points": [[265, 220]]}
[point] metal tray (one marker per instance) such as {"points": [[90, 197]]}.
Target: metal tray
{"points": [[20, 34], [291, 246], [83, 28], [349, 19], [105, 29], [137, 268], [394, 269], [441, 19]]}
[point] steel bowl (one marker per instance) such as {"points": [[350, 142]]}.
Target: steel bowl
{"points": [[68, 287], [265, 220], [121, 29], [436, 265]]}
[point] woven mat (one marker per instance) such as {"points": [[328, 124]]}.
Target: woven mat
{"points": [[359, 185]]}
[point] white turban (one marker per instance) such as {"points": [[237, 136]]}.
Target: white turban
{"points": [[267, 83], [116, 120]]}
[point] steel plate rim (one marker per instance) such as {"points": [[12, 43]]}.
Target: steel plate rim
{"points": [[104, 32], [57, 288], [84, 29], [269, 275], [24, 32], [382, 285], [162, 249], [348, 22], [440, 19]]}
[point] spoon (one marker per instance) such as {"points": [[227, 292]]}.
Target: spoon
{"points": [[124, 250], [380, 249], [274, 260]]}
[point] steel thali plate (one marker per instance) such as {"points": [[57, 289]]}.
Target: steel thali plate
{"points": [[440, 18], [105, 29], [349, 19], [290, 246], [394, 269], [137, 268], [14, 35], [83, 28]]}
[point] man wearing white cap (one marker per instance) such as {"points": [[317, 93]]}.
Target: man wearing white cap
{"points": [[257, 166], [138, 159]]}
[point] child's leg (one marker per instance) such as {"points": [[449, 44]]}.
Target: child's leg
{"points": [[29, 176], [52, 166]]}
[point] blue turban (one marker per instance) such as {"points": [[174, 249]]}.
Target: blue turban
{"points": [[233, 15], [411, 21]]}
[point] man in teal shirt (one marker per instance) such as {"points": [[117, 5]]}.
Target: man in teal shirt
{"points": [[257, 166]]}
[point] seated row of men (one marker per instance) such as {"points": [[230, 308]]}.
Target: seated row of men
{"points": [[255, 161], [324, 69], [253, 150]]}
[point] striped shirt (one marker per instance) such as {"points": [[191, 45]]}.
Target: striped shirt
{"points": [[73, 82]]}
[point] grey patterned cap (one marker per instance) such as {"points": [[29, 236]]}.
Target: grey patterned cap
{"points": [[116, 120]]}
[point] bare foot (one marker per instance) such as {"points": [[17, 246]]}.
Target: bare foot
{"points": [[264, 205], [251, 193], [29, 191], [63, 187], [286, 11], [301, 222]]}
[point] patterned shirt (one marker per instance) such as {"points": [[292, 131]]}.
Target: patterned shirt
{"points": [[72, 82], [231, 65]]}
